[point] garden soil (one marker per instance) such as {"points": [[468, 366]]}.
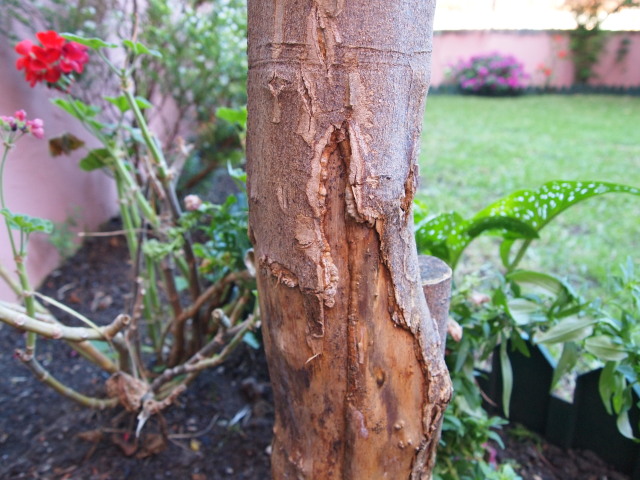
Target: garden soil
{"points": [[220, 428]]}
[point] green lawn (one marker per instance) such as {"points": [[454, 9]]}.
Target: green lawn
{"points": [[476, 150]]}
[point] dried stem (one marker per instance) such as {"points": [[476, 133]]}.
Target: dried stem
{"points": [[59, 331], [44, 376], [84, 348], [202, 360], [178, 325]]}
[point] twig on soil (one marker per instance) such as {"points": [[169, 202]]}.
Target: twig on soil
{"points": [[197, 434]]}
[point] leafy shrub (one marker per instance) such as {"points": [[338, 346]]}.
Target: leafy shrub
{"points": [[490, 74], [522, 304], [191, 300]]}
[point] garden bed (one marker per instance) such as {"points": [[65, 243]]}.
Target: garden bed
{"points": [[220, 429]]}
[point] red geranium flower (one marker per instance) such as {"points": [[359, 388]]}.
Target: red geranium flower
{"points": [[50, 60], [50, 39]]}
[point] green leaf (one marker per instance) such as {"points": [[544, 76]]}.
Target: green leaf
{"points": [[140, 49], [462, 355], [120, 102], [480, 224], [607, 385], [536, 208], [93, 43], [624, 425], [505, 250], [522, 310], [104, 348], [237, 116], [570, 329], [605, 349], [123, 105], [143, 103], [158, 250], [27, 223], [97, 158], [507, 378], [568, 359], [537, 283], [238, 174], [181, 283], [440, 236], [77, 108]]}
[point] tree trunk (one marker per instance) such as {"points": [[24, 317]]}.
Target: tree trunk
{"points": [[336, 98]]}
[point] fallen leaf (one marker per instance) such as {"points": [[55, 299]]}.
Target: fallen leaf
{"points": [[153, 443], [127, 448], [91, 436]]}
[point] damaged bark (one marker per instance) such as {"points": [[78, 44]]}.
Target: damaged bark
{"points": [[336, 98]]}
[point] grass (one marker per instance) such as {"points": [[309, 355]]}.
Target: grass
{"points": [[476, 150]]}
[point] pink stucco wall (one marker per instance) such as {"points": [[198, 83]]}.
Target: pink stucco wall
{"points": [[538, 50], [39, 185]]}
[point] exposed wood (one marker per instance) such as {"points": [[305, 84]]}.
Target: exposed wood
{"points": [[336, 98], [436, 278]]}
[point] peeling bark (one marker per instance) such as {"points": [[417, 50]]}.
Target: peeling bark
{"points": [[336, 98]]}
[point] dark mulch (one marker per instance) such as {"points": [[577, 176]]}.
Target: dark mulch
{"points": [[220, 428]]}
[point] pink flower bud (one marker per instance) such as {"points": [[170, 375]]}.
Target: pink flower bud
{"points": [[454, 329], [479, 298], [20, 115], [36, 127], [192, 202]]}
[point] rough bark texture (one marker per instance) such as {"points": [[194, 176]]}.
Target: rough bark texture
{"points": [[336, 99]]}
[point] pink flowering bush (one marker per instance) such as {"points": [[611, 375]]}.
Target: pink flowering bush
{"points": [[490, 74]]}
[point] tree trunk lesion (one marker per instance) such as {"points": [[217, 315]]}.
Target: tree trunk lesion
{"points": [[356, 361]]}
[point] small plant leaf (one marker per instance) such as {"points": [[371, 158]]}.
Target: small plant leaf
{"points": [[120, 102], [97, 158], [537, 283], [231, 115], [607, 385], [522, 310], [568, 359], [140, 49], [624, 425], [143, 103], [605, 349], [507, 378], [93, 43], [27, 223], [77, 108], [123, 105], [570, 329]]}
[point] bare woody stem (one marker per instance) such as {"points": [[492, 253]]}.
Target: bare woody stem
{"points": [[178, 323], [44, 376], [85, 349], [202, 360], [166, 180], [58, 331]]}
